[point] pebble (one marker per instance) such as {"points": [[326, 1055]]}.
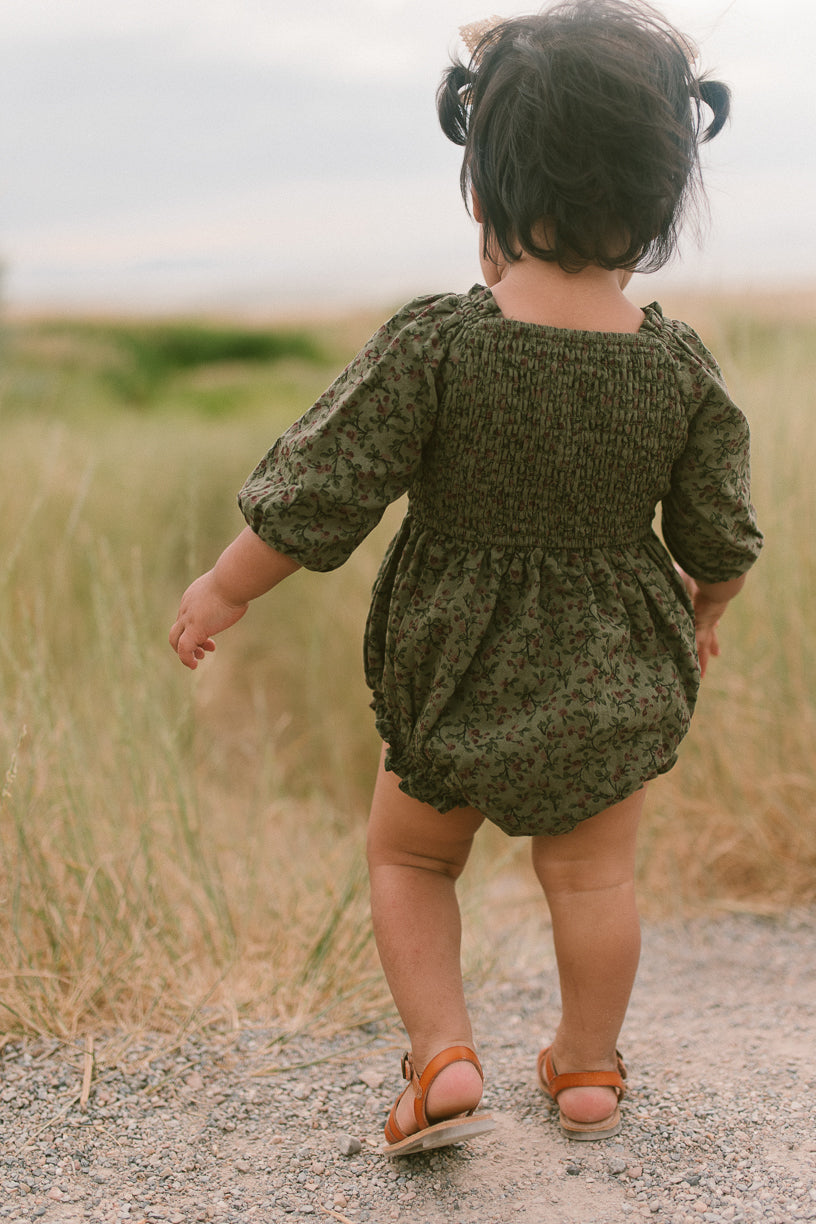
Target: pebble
{"points": [[220, 1128], [348, 1146]]}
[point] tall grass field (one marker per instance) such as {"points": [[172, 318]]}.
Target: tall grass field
{"points": [[187, 849]]}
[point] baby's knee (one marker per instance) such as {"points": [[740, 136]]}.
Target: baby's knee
{"points": [[385, 852]]}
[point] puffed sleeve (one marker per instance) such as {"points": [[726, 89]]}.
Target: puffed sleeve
{"points": [[326, 482], [709, 523]]}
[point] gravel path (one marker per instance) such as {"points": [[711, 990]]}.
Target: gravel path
{"points": [[720, 1124]]}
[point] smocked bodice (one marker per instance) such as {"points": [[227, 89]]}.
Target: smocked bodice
{"points": [[549, 438]]}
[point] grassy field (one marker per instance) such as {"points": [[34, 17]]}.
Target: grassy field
{"points": [[181, 849]]}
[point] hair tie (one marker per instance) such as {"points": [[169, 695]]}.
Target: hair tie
{"points": [[473, 34]]}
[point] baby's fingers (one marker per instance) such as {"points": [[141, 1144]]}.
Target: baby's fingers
{"points": [[708, 646], [198, 651], [189, 647]]}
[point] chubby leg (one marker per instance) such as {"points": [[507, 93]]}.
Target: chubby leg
{"points": [[588, 879], [415, 856]]}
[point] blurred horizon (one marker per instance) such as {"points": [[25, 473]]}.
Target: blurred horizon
{"points": [[238, 156]]}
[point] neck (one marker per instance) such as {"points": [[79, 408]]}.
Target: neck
{"points": [[533, 291]]}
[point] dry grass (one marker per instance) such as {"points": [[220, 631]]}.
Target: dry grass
{"points": [[180, 849], [735, 824]]}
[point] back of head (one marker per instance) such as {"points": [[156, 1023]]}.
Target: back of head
{"points": [[581, 127]]}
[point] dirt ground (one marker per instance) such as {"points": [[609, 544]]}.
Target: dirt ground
{"points": [[719, 1126]]}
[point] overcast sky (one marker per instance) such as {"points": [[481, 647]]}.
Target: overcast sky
{"points": [[200, 153]]}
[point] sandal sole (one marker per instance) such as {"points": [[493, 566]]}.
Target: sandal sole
{"points": [[587, 1131], [441, 1134]]}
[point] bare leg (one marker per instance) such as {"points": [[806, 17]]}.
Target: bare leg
{"points": [[415, 856], [588, 879]]}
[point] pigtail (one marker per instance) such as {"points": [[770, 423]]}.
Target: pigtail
{"points": [[453, 102], [717, 97]]}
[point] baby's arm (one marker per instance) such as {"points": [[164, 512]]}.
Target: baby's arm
{"points": [[710, 600], [246, 569]]}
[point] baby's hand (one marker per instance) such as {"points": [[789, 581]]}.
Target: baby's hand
{"points": [[203, 612], [707, 615], [708, 645]]}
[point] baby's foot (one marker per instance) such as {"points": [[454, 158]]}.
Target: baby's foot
{"points": [[587, 1104], [455, 1090]]}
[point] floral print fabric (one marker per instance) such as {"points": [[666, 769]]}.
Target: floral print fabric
{"points": [[530, 647]]}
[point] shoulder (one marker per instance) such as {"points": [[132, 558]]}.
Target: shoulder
{"points": [[696, 369], [434, 312], [423, 328]]}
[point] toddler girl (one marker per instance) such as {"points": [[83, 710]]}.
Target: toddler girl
{"points": [[533, 653]]}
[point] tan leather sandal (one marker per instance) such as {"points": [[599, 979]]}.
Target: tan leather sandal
{"points": [[433, 1134], [553, 1083]]}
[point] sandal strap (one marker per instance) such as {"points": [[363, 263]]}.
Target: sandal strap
{"points": [[554, 1083], [394, 1133], [422, 1083], [439, 1062]]}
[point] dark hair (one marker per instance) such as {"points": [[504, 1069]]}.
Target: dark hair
{"points": [[588, 116]]}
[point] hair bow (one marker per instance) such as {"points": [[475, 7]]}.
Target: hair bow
{"points": [[473, 34]]}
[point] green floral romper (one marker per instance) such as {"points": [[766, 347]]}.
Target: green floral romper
{"points": [[530, 646]]}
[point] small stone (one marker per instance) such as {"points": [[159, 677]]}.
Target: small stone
{"points": [[573, 1170], [243, 1166], [348, 1146], [371, 1079]]}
